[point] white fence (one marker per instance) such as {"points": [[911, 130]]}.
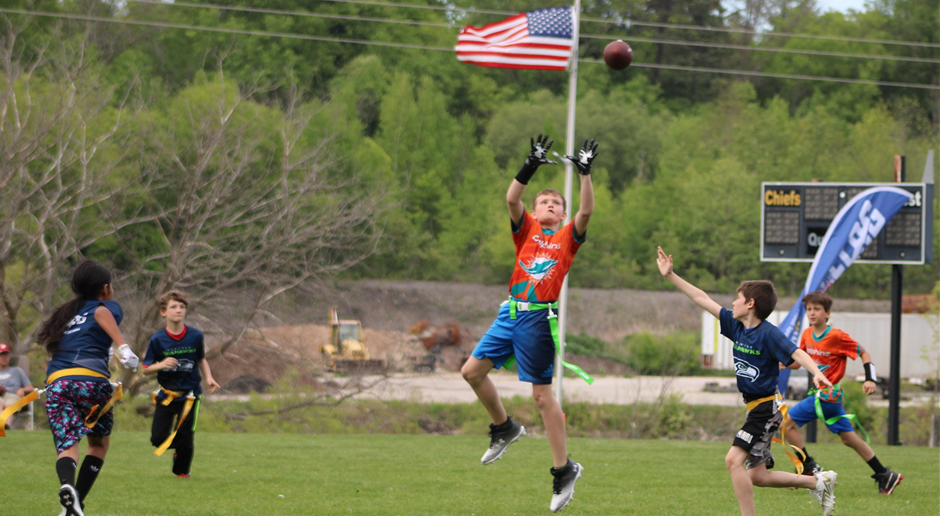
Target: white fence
{"points": [[920, 351]]}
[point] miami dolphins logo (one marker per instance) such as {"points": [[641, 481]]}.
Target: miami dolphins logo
{"points": [[540, 267], [742, 368]]}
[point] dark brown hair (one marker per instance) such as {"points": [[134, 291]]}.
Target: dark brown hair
{"points": [[87, 281], [174, 295], [551, 191], [764, 295], [820, 298]]}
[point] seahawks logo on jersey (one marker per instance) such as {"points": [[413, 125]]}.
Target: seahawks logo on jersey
{"points": [[184, 366], [742, 368]]}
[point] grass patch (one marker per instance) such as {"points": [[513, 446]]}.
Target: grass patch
{"points": [[440, 475]]}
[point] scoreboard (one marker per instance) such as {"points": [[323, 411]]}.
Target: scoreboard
{"points": [[795, 217]]}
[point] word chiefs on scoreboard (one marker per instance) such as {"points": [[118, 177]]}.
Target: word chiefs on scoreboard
{"points": [[795, 217]]}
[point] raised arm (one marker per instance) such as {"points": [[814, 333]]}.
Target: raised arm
{"points": [[691, 291], [583, 164], [536, 158]]}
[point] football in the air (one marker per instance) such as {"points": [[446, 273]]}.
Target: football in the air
{"points": [[618, 55]]}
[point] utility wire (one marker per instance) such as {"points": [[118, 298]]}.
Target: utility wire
{"points": [[627, 23], [764, 49], [446, 49], [588, 36], [775, 75]]}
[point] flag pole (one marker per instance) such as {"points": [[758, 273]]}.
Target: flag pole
{"points": [[569, 171]]}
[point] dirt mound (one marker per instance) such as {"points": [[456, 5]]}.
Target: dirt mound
{"points": [[293, 330]]}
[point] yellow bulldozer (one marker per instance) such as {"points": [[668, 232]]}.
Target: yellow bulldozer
{"points": [[347, 353]]}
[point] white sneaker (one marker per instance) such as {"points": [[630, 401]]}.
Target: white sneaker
{"points": [[825, 491], [500, 441], [564, 486], [68, 497]]}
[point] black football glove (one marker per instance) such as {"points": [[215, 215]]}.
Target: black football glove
{"points": [[536, 158], [585, 157]]}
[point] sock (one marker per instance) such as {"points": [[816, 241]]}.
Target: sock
{"points": [[559, 471], [808, 457], [91, 466], [876, 466], [504, 426], [65, 469]]}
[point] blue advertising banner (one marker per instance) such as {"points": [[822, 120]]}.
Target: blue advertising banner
{"points": [[853, 228]]}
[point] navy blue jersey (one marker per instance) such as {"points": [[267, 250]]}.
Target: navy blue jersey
{"points": [[84, 343], [188, 350], [757, 352]]}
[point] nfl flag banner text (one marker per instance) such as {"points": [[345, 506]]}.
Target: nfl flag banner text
{"points": [[855, 226], [536, 40]]}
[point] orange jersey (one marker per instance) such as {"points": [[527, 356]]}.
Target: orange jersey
{"points": [[542, 260], [830, 353]]}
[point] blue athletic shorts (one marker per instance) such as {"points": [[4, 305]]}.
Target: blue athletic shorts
{"points": [[805, 411], [529, 337]]}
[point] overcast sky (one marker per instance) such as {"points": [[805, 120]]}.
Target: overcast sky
{"points": [[840, 5]]}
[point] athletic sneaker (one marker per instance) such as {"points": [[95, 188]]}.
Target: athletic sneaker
{"points": [[887, 481], [501, 439], [563, 484], [810, 467], [183, 475], [825, 491], [68, 497]]}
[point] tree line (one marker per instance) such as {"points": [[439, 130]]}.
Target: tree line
{"points": [[211, 161]]}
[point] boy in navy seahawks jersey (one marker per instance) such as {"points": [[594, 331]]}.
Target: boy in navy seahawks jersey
{"points": [[759, 347], [176, 354]]}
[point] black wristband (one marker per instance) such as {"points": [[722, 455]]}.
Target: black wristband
{"points": [[870, 375], [526, 172]]}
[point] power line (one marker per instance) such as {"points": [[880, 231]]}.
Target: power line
{"points": [[446, 49], [764, 49], [774, 75], [629, 23], [291, 13], [589, 36]]}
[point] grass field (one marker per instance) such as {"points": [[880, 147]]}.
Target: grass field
{"points": [[237, 474]]}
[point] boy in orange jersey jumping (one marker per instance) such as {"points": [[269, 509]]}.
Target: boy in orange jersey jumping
{"points": [[544, 253]]}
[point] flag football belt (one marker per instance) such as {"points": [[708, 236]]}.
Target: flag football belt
{"points": [[798, 463], [819, 413], [170, 396], [523, 306], [190, 400], [95, 413]]}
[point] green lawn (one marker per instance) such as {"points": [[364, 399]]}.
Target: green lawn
{"points": [[237, 474]]}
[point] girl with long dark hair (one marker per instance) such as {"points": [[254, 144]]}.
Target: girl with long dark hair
{"points": [[79, 395]]}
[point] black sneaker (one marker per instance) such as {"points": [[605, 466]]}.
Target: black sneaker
{"points": [[563, 484], [68, 497], [887, 481], [501, 439], [810, 467]]}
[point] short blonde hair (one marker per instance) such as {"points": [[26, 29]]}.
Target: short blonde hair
{"points": [[174, 295], [551, 191]]}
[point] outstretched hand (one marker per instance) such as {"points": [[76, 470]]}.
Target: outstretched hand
{"points": [[585, 157], [539, 151], [664, 261], [821, 381]]}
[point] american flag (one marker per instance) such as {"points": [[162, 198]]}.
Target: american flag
{"points": [[536, 40]]}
